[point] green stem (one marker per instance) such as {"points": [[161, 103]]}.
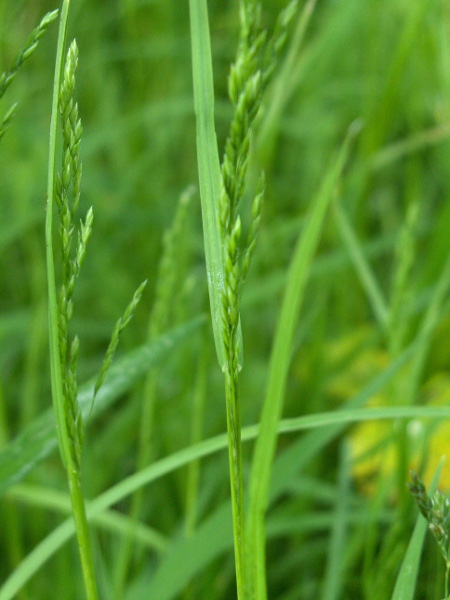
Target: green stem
{"points": [[447, 575], [78, 506], [55, 364], [236, 478], [82, 531]]}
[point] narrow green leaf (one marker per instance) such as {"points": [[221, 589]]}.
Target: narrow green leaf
{"points": [[110, 520], [299, 271], [334, 573], [363, 269], [208, 168], [55, 358]]}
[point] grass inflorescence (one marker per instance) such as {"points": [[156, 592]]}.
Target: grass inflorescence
{"points": [[66, 194], [249, 75]]}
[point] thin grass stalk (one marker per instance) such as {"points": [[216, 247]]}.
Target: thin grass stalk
{"points": [[236, 479], [77, 498], [278, 371], [221, 192]]}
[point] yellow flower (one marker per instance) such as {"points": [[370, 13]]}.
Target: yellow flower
{"points": [[375, 446]]}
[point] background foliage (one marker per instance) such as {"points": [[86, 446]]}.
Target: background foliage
{"points": [[340, 523]]}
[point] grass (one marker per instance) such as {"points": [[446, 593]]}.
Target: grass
{"points": [[338, 360]]}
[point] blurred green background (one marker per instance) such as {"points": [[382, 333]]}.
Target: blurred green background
{"points": [[386, 62]]}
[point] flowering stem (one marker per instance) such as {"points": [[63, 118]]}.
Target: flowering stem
{"points": [[236, 478], [65, 437]]}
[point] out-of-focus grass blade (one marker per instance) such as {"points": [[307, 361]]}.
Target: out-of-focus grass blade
{"points": [[332, 587], [362, 266], [110, 520], [407, 576], [38, 440], [208, 167]]}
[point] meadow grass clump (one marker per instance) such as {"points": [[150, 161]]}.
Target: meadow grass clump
{"points": [[322, 217]]}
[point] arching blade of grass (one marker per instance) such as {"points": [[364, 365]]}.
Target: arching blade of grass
{"points": [[294, 458], [407, 576], [38, 440], [278, 371], [110, 520]]}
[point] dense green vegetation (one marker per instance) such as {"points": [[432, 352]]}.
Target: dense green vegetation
{"points": [[367, 367]]}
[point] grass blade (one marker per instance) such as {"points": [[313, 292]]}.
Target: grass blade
{"points": [[339, 535], [363, 269], [110, 520], [208, 167], [278, 371]]}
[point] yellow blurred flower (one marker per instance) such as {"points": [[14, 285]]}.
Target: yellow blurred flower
{"points": [[374, 445]]}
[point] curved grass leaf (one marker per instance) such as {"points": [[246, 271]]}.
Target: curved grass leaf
{"points": [[110, 520], [293, 459]]}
